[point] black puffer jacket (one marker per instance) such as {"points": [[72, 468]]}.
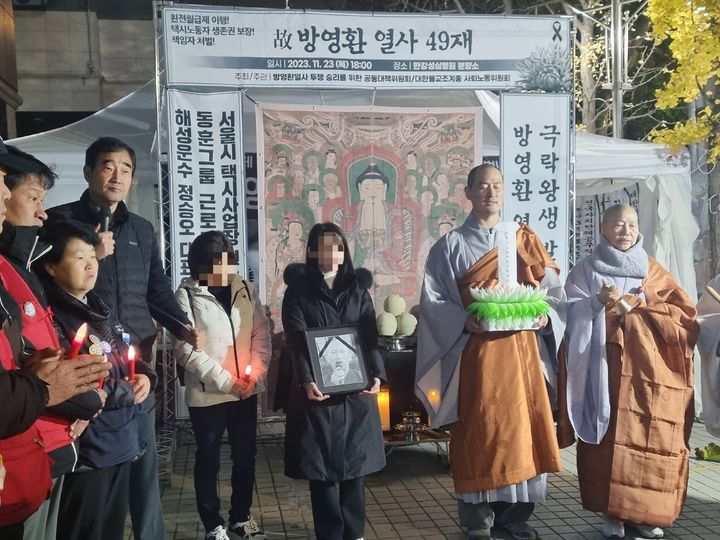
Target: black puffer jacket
{"points": [[339, 438], [22, 246], [132, 278]]}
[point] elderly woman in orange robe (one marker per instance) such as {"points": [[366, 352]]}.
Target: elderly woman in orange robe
{"points": [[630, 335]]}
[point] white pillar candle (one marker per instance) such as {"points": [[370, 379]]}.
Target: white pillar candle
{"points": [[383, 399], [434, 399]]}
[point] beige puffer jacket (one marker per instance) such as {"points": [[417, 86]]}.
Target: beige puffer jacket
{"points": [[210, 373]]}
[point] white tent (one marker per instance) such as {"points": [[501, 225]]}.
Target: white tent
{"points": [[131, 119], [602, 164]]}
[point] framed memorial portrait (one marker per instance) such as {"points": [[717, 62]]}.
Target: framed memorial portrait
{"points": [[337, 360]]}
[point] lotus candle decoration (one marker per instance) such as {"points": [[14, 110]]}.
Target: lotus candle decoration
{"points": [[509, 307]]}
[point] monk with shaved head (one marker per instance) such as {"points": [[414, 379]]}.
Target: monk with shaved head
{"points": [[630, 335], [490, 387]]}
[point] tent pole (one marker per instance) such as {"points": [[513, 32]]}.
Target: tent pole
{"points": [[616, 31]]}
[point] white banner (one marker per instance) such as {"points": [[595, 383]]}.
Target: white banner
{"points": [[588, 216], [535, 152], [225, 47], [206, 172]]}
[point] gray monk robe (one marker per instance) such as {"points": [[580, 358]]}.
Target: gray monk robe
{"points": [[708, 344], [630, 394], [491, 385]]}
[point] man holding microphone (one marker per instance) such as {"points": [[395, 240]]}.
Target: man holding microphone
{"points": [[132, 282]]}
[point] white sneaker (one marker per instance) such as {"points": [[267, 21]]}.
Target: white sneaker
{"points": [[218, 533], [648, 531], [613, 528], [244, 530]]}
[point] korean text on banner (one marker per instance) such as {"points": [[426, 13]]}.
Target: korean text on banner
{"points": [[205, 169], [224, 47], [535, 153]]}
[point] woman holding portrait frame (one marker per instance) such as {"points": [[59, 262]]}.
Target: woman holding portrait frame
{"points": [[333, 436]]}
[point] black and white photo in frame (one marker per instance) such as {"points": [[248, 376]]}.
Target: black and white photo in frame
{"points": [[337, 359]]}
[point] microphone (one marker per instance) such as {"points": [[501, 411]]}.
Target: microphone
{"points": [[105, 216]]}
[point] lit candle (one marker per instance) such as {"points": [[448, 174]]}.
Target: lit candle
{"points": [[434, 399], [131, 363], [78, 341], [246, 377], [101, 381], [383, 399]]}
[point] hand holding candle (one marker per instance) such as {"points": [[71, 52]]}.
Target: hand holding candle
{"points": [[131, 363], [78, 341], [243, 386], [141, 387]]}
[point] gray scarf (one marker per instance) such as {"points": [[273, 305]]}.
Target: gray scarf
{"points": [[613, 262]]}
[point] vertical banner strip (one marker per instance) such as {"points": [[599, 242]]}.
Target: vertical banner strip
{"points": [[535, 152], [206, 169]]}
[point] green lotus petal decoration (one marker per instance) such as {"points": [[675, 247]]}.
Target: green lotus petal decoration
{"points": [[496, 310], [509, 308]]}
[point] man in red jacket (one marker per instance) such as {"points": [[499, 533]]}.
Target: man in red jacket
{"points": [[46, 380], [20, 246]]}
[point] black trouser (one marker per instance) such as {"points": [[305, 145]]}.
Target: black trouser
{"points": [[487, 515], [209, 423], [146, 511], [506, 512], [338, 509], [12, 532], [94, 504]]}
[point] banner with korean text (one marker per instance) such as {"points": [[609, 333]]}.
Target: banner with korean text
{"points": [[288, 48], [535, 151], [589, 210], [205, 168]]}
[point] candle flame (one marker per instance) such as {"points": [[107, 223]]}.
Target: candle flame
{"points": [[81, 333], [131, 353], [248, 370]]}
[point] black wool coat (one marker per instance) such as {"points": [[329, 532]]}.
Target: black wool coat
{"points": [[339, 438]]}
